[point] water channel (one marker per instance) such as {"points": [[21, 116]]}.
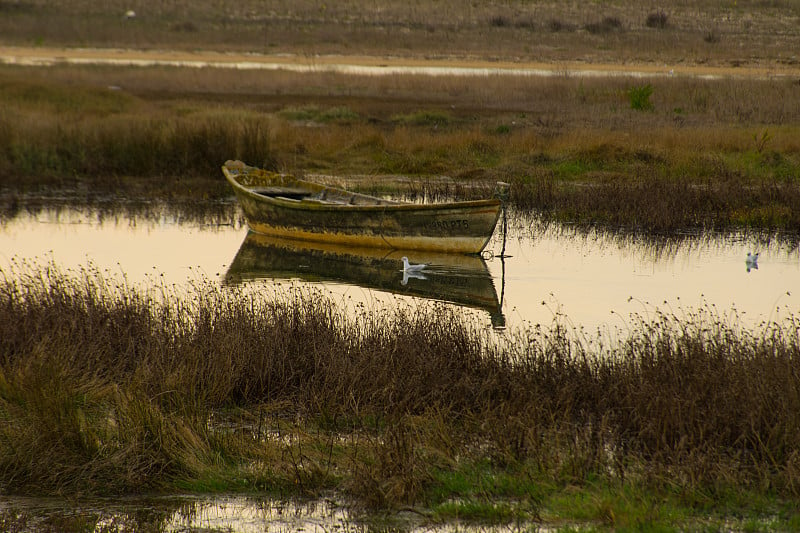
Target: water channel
{"points": [[590, 280]]}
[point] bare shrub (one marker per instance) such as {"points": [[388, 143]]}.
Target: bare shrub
{"points": [[657, 19], [499, 21], [711, 37], [607, 25], [556, 25]]}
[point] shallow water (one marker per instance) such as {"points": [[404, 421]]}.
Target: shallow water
{"points": [[584, 280], [185, 513], [223, 514]]}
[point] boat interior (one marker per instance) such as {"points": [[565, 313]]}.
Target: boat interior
{"points": [[324, 196], [287, 188]]}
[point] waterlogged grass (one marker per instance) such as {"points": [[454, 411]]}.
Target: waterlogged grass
{"points": [[106, 388], [480, 511]]}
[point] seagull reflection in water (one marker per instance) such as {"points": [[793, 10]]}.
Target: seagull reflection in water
{"points": [[412, 274], [412, 270]]}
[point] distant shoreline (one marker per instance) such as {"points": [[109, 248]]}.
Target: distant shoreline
{"points": [[370, 65]]}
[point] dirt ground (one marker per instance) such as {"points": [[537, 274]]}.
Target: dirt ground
{"points": [[51, 55]]}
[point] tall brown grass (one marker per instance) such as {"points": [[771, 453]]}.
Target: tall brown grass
{"points": [[106, 387]]}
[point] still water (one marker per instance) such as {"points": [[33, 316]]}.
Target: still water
{"points": [[185, 513], [594, 281]]}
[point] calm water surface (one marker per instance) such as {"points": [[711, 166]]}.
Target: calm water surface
{"points": [[183, 514], [584, 280]]}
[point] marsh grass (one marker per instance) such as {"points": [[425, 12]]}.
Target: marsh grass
{"points": [[105, 387], [129, 146], [573, 148]]}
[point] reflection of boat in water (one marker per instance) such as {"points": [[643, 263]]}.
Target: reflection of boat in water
{"points": [[461, 279], [284, 206]]}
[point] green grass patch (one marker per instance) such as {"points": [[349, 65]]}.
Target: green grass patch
{"points": [[480, 512], [639, 97], [621, 508], [573, 169], [481, 480], [767, 166], [429, 118], [313, 113]]}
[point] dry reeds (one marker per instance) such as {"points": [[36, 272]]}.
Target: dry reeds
{"points": [[103, 387], [573, 148]]}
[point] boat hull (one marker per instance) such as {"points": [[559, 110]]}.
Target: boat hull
{"points": [[460, 227]]}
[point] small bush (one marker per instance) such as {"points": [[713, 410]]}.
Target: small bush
{"points": [[607, 25], [639, 97], [711, 37], [761, 140], [657, 19], [499, 21], [527, 23], [594, 27]]}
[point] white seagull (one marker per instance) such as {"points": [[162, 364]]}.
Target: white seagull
{"points": [[412, 271], [751, 261], [408, 267]]}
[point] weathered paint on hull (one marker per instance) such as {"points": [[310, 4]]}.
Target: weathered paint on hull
{"points": [[416, 242], [462, 227]]}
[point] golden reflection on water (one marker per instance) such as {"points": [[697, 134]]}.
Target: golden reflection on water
{"points": [[590, 279], [600, 280], [169, 514], [221, 513]]}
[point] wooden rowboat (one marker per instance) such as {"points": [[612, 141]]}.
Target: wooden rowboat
{"points": [[283, 206]]}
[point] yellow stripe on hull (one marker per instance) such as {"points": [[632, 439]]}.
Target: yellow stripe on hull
{"points": [[469, 245]]}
